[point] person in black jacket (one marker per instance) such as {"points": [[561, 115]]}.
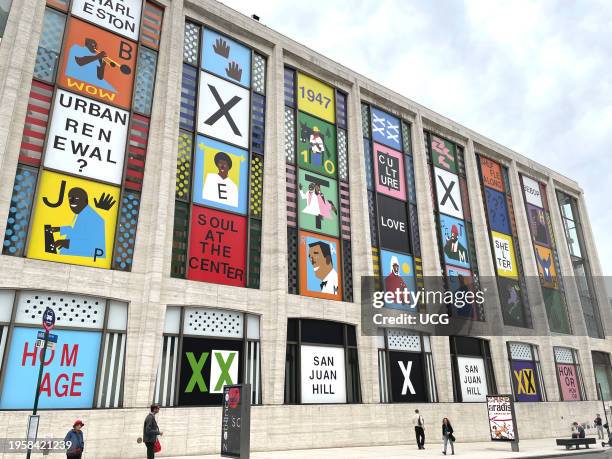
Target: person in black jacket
{"points": [[447, 434], [151, 431]]}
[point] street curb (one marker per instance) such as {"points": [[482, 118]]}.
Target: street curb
{"points": [[570, 454]]}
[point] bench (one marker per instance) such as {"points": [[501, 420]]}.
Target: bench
{"points": [[569, 442]]}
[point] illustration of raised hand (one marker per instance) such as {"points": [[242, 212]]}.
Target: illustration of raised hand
{"points": [[106, 202], [234, 71], [221, 48]]}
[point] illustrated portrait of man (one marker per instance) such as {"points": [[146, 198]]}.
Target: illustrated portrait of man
{"points": [[319, 253], [316, 147], [394, 281], [453, 248], [219, 187], [539, 226], [86, 236], [86, 63]]}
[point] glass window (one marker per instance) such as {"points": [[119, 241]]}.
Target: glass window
{"points": [[406, 372], [322, 364], [525, 373], [575, 242], [5, 8], [217, 347], [84, 359], [569, 374], [603, 375], [473, 377]]}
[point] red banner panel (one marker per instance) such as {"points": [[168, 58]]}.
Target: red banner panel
{"points": [[217, 247]]}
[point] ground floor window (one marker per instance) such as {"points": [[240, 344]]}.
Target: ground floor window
{"points": [[83, 366], [405, 367], [525, 373], [473, 377], [321, 364], [569, 375], [204, 349], [603, 374]]}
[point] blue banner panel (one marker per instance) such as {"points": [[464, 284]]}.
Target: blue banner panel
{"points": [[386, 129], [226, 58], [69, 375]]}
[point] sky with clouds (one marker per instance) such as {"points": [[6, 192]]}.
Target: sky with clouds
{"points": [[531, 75]]}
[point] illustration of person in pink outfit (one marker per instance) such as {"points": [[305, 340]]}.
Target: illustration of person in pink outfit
{"points": [[316, 204]]}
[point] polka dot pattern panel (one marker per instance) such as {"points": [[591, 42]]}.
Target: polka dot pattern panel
{"points": [[213, 322], [365, 120], [19, 211], [342, 156], [257, 163], [183, 165], [564, 355], [191, 43], [520, 351], [347, 271], [289, 135], [292, 260], [402, 340], [70, 310], [49, 46], [145, 80], [259, 74], [406, 139], [126, 233]]}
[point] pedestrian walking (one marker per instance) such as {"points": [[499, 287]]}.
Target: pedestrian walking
{"points": [[447, 434], [599, 426], [419, 429], [75, 437], [151, 432]]}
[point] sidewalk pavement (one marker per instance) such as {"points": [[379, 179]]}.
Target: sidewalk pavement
{"points": [[540, 448]]}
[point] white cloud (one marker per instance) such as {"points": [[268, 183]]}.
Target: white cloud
{"points": [[532, 75]]}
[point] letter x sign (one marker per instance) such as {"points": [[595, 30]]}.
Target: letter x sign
{"points": [[449, 195], [223, 110]]}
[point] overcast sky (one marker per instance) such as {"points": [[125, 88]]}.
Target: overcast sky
{"points": [[533, 76]]}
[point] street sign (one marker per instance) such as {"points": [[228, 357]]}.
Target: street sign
{"points": [[32, 431], [41, 343], [48, 319], [52, 338], [236, 421]]}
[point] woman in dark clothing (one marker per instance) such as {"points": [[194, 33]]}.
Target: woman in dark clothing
{"points": [[75, 437], [447, 433]]}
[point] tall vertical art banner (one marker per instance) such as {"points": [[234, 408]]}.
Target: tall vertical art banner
{"points": [[86, 134], [219, 175], [392, 202], [451, 202], [545, 253], [318, 204], [504, 241]]}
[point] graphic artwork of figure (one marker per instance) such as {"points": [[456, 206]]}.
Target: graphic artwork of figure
{"points": [[319, 253], [453, 249], [316, 144], [466, 309], [541, 233], [316, 204], [513, 301], [88, 64], [394, 281], [545, 264], [86, 236], [219, 187]]}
